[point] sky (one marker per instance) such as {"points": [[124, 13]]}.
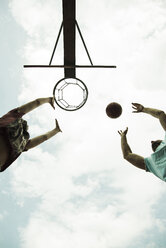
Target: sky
{"points": [[76, 190]]}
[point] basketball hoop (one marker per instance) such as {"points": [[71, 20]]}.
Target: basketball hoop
{"points": [[70, 93]]}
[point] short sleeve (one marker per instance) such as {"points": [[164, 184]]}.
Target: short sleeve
{"points": [[146, 165], [11, 116]]}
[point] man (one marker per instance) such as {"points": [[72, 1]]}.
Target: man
{"points": [[14, 137], [156, 163]]}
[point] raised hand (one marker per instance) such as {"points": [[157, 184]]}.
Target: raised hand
{"points": [[51, 101], [137, 107], [122, 133], [57, 128]]}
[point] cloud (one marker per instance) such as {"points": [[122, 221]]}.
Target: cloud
{"points": [[91, 208], [37, 15], [90, 229]]}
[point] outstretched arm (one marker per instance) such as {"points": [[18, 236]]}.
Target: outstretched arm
{"points": [[35, 104], [42, 138], [134, 159], [154, 112]]}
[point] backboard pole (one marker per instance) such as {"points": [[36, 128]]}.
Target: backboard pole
{"points": [[70, 66], [69, 9], [56, 43], [84, 43]]}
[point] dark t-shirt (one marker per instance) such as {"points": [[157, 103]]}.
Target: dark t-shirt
{"points": [[14, 129]]}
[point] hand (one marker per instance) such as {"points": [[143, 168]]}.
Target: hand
{"points": [[51, 101], [57, 126], [123, 133], [137, 107]]}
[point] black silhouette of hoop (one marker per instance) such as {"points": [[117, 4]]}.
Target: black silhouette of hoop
{"points": [[59, 93]]}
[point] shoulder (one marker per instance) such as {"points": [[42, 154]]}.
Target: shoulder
{"points": [[162, 119]]}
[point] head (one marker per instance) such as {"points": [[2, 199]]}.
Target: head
{"points": [[155, 144]]}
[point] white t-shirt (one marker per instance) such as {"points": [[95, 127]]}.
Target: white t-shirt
{"points": [[156, 163]]}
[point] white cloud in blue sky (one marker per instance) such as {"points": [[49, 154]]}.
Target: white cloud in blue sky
{"points": [[76, 190]]}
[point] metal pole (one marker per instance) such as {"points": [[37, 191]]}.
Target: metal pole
{"points": [[69, 12], [69, 66], [56, 44], [83, 42]]}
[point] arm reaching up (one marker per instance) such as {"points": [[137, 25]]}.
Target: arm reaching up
{"points": [[154, 112], [134, 159]]}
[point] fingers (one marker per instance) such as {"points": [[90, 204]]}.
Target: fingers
{"points": [[126, 130], [135, 104], [52, 102], [135, 110], [137, 107], [123, 132], [57, 126]]}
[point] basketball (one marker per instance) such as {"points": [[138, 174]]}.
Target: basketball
{"points": [[113, 110]]}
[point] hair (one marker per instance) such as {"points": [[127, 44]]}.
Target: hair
{"points": [[155, 144]]}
